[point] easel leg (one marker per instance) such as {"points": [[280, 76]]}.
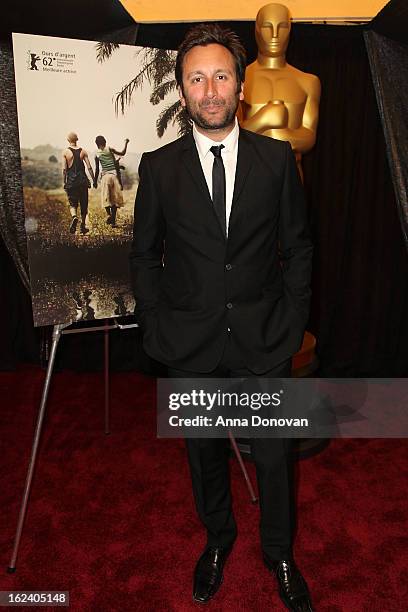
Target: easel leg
{"points": [[56, 335], [234, 445], [106, 376]]}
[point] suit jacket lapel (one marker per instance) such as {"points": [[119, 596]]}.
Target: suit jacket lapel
{"points": [[244, 163], [192, 162]]}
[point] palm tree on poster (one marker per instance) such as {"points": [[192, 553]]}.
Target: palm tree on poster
{"points": [[158, 70]]}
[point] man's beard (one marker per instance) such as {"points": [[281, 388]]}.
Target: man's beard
{"points": [[226, 119]]}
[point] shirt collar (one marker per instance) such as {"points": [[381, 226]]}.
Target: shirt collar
{"points": [[204, 143]]}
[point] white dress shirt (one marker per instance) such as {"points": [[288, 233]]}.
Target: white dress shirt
{"points": [[229, 157]]}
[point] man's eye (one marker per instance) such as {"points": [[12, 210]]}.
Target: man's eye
{"points": [[221, 77], [197, 79]]}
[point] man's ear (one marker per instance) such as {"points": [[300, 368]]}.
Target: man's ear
{"points": [[181, 96], [241, 91]]}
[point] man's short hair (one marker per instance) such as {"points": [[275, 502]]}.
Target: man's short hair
{"points": [[208, 34], [100, 141], [72, 137]]}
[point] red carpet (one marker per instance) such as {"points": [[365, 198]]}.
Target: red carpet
{"points": [[111, 518]]}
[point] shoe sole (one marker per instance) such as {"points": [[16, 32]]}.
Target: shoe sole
{"points": [[204, 603], [288, 607], [280, 593], [283, 599]]}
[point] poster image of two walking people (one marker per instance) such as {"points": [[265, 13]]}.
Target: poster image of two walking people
{"points": [[86, 113]]}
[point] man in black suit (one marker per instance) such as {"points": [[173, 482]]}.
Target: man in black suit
{"points": [[220, 265]]}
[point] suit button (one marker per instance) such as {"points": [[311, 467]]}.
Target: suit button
{"points": [[228, 267], [229, 305]]}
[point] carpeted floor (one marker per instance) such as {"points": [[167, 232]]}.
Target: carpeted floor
{"points": [[111, 518]]}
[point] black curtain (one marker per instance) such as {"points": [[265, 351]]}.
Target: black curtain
{"points": [[389, 68], [11, 191], [19, 341], [360, 282]]}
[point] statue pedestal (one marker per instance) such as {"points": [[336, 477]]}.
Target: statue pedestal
{"points": [[305, 362]]}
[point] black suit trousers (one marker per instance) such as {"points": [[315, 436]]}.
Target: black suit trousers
{"points": [[273, 458]]}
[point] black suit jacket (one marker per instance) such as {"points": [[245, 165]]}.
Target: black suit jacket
{"points": [[191, 284]]}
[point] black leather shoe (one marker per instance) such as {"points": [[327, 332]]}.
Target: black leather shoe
{"points": [[208, 573], [293, 589]]}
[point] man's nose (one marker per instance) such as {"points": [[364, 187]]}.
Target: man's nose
{"points": [[211, 89]]}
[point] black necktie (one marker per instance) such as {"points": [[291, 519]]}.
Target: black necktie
{"points": [[218, 186]]}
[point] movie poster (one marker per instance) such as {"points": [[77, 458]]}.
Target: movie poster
{"points": [[86, 111]]}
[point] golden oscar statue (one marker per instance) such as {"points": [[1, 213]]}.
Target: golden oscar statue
{"points": [[279, 100], [282, 102]]}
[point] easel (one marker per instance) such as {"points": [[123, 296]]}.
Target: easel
{"points": [[58, 331]]}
